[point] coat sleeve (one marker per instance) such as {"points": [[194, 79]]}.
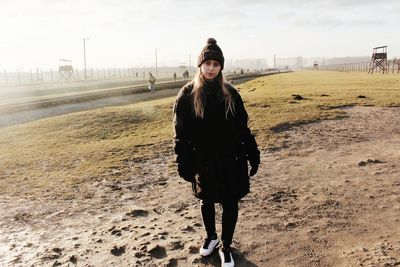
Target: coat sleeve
{"points": [[247, 138], [182, 140]]}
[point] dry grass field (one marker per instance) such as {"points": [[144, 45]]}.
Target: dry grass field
{"points": [[91, 145]]}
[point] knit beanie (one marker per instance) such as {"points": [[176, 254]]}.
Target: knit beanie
{"points": [[211, 52]]}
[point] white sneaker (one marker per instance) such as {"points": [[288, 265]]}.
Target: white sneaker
{"points": [[226, 258], [208, 247]]}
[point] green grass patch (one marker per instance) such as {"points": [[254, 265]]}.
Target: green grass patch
{"points": [[55, 156]]}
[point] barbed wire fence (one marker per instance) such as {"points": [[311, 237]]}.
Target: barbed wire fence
{"points": [[345, 64], [392, 66], [40, 75]]}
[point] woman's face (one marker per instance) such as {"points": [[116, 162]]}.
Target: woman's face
{"points": [[210, 69]]}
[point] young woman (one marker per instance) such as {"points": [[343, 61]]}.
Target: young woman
{"points": [[213, 144]]}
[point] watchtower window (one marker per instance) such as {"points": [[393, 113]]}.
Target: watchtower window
{"points": [[380, 56]]}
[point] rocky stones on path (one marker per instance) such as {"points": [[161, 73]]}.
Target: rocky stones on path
{"points": [[116, 232], [73, 260], [145, 234], [118, 251], [172, 263], [139, 254], [374, 161], [289, 225], [157, 251], [193, 250], [22, 217], [362, 163], [282, 196], [54, 253], [199, 260], [369, 161], [297, 97], [158, 210], [137, 213], [163, 233], [188, 228], [379, 255], [115, 186], [126, 228], [57, 250], [176, 245]]}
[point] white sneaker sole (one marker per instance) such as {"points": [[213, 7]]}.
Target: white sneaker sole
{"points": [[227, 264], [207, 253]]}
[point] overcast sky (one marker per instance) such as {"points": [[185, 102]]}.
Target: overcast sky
{"points": [[125, 33]]}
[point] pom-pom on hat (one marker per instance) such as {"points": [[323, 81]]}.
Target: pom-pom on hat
{"points": [[211, 52]]}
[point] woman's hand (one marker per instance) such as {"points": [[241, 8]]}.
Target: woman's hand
{"points": [[254, 168], [254, 160], [186, 172]]}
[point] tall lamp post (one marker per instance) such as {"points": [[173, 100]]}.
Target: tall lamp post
{"points": [[156, 62], [84, 55]]}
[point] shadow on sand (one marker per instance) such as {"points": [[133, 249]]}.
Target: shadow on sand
{"points": [[214, 260]]}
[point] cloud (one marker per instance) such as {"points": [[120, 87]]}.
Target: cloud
{"points": [[330, 22], [367, 22], [337, 22], [179, 27]]}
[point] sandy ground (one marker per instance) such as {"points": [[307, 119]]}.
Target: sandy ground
{"points": [[327, 195]]}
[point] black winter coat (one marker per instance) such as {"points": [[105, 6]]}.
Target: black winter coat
{"points": [[214, 150]]}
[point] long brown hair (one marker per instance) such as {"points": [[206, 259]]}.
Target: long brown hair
{"points": [[198, 83]]}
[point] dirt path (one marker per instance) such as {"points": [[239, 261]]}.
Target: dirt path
{"points": [[45, 112], [328, 195]]}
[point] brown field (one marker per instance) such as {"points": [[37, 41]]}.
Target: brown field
{"points": [[100, 188]]}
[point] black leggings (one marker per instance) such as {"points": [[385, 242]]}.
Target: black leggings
{"points": [[229, 218]]}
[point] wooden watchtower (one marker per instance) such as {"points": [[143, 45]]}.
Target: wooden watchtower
{"points": [[65, 70], [315, 65], [379, 59]]}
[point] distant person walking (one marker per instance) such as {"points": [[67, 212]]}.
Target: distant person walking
{"points": [[186, 75], [213, 145], [152, 82], [174, 76]]}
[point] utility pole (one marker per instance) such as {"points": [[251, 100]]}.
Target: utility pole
{"points": [[156, 64], [84, 55]]}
